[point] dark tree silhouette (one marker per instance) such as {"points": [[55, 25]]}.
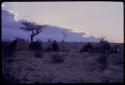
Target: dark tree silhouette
{"points": [[88, 47], [49, 48], [104, 45], [37, 48], [55, 46], [31, 27], [102, 38], [115, 49], [63, 41], [12, 46]]}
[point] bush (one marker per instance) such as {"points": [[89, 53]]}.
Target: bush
{"points": [[87, 48], [55, 46], [103, 47], [115, 49], [57, 59], [22, 44], [35, 46], [12, 46]]}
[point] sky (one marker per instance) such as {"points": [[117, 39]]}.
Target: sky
{"points": [[94, 18]]}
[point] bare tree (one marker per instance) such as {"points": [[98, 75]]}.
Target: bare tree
{"points": [[104, 44], [102, 38], [31, 27]]}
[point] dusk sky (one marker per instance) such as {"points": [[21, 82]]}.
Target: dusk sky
{"points": [[94, 18]]}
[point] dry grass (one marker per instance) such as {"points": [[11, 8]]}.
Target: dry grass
{"points": [[74, 67]]}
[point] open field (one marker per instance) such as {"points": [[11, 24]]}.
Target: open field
{"points": [[24, 66]]}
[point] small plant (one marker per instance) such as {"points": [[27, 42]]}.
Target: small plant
{"points": [[57, 59]]}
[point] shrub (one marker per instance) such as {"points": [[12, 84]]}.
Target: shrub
{"points": [[12, 46], [103, 47], [49, 47], [37, 49], [115, 49], [35, 46], [55, 46], [87, 48], [22, 44]]}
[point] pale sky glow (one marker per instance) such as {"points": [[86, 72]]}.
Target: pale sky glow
{"points": [[94, 18]]}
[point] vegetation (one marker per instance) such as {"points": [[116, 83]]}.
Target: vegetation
{"points": [[93, 64], [32, 27], [36, 47], [72, 63], [55, 46], [87, 48], [11, 47], [104, 46]]}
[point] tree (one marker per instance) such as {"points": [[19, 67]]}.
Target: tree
{"points": [[55, 46], [102, 38], [63, 40], [104, 44], [31, 27], [88, 47]]}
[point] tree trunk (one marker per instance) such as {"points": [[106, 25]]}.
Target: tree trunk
{"points": [[33, 34], [32, 38]]}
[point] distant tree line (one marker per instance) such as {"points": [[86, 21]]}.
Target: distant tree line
{"points": [[100, 47]]}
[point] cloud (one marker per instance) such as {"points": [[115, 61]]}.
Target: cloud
{"points": [[10, 30], [10, 26]]}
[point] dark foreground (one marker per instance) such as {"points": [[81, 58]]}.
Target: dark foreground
{"points": [[70, 66]]}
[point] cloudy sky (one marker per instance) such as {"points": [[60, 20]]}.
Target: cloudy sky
{"points": [[94, 18]]}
